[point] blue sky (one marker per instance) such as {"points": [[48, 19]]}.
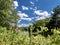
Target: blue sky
{"points": [[33, 10]]}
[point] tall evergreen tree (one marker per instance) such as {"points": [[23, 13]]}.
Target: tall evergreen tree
{"points": [[55, 19]]}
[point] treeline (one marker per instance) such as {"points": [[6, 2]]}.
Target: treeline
{"points": [[50, 23]]}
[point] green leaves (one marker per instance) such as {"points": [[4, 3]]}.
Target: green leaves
{"points": [[55, 19], [7, 14], [10, 37]]}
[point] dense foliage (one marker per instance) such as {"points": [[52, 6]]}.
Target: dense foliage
{"points": [[55, 19], [8, 16], [11, 37]]}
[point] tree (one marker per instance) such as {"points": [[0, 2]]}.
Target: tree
{"points": [[41, 22], [7, 15], [55, 19]]}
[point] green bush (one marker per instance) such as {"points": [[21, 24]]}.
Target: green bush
{"points": [[10, 37], [50, 40]]}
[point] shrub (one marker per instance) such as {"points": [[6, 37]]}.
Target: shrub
{"points": [[10, 37]]}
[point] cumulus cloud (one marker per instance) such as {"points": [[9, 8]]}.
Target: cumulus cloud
{"points": [[41, 14], [28, 19], [40, 18], [24, 16], [25, 8], [24, 25], [15, 4]]}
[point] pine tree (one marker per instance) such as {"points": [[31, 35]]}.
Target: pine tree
{"points": [[55, 19]]}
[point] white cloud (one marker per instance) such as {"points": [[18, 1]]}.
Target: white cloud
{"points": [[28, 19], [19, 21], [24, 25], [52, 12], [15, 4], [35, 8], [32, 3], [41, 13], [40, 18], [25, 8], [24, 16]]}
